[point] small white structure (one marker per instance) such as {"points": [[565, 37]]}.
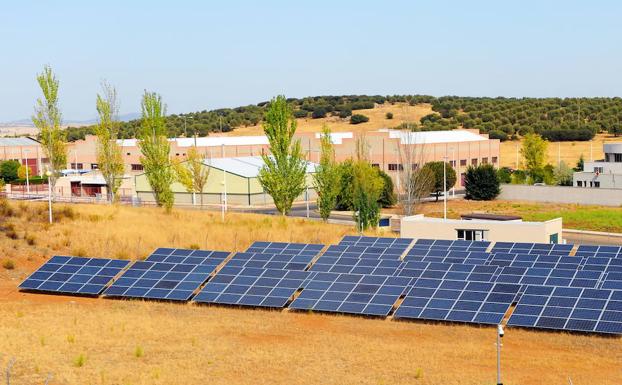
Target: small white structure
{"points": [[606, 173], [418, 226]]}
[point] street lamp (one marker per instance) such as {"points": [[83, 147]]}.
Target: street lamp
{"points": [[48, 173], [500, 334], [445, 187], [26, 151]]}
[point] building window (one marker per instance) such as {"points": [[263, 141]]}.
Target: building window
{"points": [[394, 167], [77, 166], [375, 165], [472, 235], [579, 183], [462, 178], [94, 166], [597, 184], [128, 154], [452, 163], [415, 166], [463, 162], [485, 160], [177, 154], [474, 162], [598, 170], [494, 160], [617, 158], [137, 167]]}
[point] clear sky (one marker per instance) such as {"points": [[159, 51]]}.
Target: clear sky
{"points": [[210, 54]]}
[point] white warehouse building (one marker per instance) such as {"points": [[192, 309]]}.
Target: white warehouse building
{"points": [[606, 173]]}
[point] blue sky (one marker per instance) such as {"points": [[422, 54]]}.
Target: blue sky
{"points": [[204, 55]]}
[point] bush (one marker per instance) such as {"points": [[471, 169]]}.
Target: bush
{"points": [[9, 170], [481, 183], [358, 118], [496, 134], [318, 113], [388, 197], [345, 113], [389, 115], [505, 175], [564, 135], [437, 169], [8, 264]]}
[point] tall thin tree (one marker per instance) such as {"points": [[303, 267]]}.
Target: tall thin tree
{"points": [[283, 175], [327, 177], [47, 118], [109, 157], [192, 173], [155, 149], [414, 183]]}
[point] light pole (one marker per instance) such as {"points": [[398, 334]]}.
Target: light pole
{"points": [[48, 173], [445, 187], [26, 151], [499, 336]]}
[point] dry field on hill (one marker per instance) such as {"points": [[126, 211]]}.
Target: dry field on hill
{"points": [[102, 341], [570, 151], [377, 119]]}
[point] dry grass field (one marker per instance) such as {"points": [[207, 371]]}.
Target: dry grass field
{"points": [[377, 119], [569, 152], [102, 341]]}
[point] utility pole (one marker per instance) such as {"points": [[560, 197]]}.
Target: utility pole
{"points": [[445, 187], [500, 333]]}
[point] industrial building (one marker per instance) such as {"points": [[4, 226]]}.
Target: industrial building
{"points": [[389, 150], [232, 180], [25, 150], [605, 173], [512, 230]]}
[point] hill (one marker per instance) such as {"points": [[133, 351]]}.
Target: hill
{"points": [[569, 119]]}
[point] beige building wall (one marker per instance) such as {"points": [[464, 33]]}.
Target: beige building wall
{"points": [[418, 226]]}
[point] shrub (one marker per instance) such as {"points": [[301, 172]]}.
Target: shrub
{"points": [[345, 113], [8, 264], [79, 361], [481, 183], [389, 115], [496, 134], [387, 197], [139, 352], [505, 175], [299, 114], [318, 113], [562, 135], [9, 170], [358, 118]]}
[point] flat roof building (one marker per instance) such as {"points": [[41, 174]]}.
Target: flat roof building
{"points": [[605, 173]]}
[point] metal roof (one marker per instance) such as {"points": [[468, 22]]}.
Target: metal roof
{"points": [[16, 142], [245, 166]]}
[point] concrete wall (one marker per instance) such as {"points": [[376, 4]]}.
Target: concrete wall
{"points": [[560, 194], [417, 226]]}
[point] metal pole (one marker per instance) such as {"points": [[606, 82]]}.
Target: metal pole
{"points": [[445, 189], [50, 199], [499, 355], [307, 197]]}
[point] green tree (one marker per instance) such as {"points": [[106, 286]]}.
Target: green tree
{"points": [[283, 175], [9, 170], [580, 164], [481, 183], [47, 119], [156, 149], [192, 173], [387, 197], [327, 178], [504, 175], [437, 169], [367, 186], [563, 174], [533, 152], [109, 157], [358, 118]]}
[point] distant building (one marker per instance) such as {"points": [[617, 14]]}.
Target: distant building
{"points": [[26, 151], [235, 179], [418, 226], [461, 148], [606, 173]]}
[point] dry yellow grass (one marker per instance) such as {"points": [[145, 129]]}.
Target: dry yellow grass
{"points": [[569, 151], [97, 341], [377, 119]]}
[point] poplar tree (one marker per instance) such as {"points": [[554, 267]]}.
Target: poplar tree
{"points": [[47, 118], [192, 173], [283, 175], [327, 178], [109, 156], [156, 149]]}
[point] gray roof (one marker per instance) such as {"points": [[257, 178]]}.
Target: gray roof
{"points": [[15, 142], [245, 166]]}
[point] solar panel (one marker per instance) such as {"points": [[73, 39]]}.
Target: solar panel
{"points": [[459, 301], [74, 275], [351, 240], [167, 274], [450, 271], [271, 261], [532, 248], [351, 293], [572, 309], [250, 286], [302, 249], [458, 245], [356, 265], [550, 277]]}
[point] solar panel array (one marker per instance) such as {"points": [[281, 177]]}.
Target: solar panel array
{"points": [[441, 280], [167, 274], [74, 275]]}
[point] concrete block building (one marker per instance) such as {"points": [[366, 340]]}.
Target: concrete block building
{"points": [[605, 173]]}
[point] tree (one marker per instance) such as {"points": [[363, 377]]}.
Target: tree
{"points": [[327, 177], [47, 119], [284, 173], [533, 152], [367, 188], [389, 115], [23, 172], [437, 169], [155, 150], [481, 183], [192, 173], [387, 196], [358, 118], [9, 170], [505, 175], [413, 183], [563, 174], [580, 164], [109, 156]]}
